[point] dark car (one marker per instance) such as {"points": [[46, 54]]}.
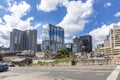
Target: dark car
{"points": [[3, 67], [100, 55]]}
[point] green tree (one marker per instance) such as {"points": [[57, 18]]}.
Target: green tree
{"points": [[63, 53], [1, 56]]}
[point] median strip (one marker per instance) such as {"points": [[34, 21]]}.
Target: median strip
{"points": [[114, 74]]}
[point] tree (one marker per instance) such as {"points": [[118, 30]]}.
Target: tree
{"points": [[63, 53], [1, 56]]}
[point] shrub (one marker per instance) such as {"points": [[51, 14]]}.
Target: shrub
{"points": [[63, 60]]}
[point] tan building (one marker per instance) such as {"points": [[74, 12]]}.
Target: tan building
{"points": [[112, 43]]}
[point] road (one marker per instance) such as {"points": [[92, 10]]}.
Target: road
{"points": [[59, 73]]}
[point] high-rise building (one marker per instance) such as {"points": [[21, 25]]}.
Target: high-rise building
{"points": [[69, 46], [38, 47], [111, 43], [4, 49], [76, 45], [30, 40], [52, 38], [23, 40], [82, 44], [86, 41], [16, 37]]}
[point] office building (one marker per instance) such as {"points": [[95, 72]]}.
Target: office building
{"points": [[82, 44], [86, 41], [111, 43], [30, 40], [52, 38], [16, 37], [23, 40], [100, 45], [4, 49], [76, 45], [69, 46], [38, 47]]}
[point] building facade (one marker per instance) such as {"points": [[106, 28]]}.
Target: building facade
{"points": [[30, 40], [69, 46], [77, 45], [16, 37], [52, 38], [111, 43], [38, 47], [82, 44], [4, 49], [23, 40], [86, 41]]}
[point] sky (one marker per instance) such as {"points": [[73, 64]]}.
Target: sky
{"points": [[77, 17]]}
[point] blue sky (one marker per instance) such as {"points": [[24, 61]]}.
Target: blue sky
{"points": [[77, 17]]}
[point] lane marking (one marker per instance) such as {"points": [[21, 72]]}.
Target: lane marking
{"points": [[114, 74], [100, 74]]}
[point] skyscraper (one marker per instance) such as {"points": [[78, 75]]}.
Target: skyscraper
{"points": [[86, 43], [23, 40], [30, 40], [52, 38], [16, 40], [111, 43], [69, 46], [82, 44], [76, 45]]}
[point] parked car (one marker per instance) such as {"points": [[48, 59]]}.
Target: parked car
{"points": [[100, 55], [3, 67]]}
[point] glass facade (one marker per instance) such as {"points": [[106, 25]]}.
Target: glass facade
{"points": [[23, 40], [15, 40], [52, 38], [82, 43]]}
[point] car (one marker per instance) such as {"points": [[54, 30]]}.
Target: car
{"points": [[3, 67], [100, 55]]}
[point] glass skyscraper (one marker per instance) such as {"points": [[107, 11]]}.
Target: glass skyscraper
{"points": [[23, 40], [15, 40], [82, 44], [52, 38]]}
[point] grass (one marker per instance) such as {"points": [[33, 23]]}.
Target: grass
{"points": [[60, 60], [63, 60]]}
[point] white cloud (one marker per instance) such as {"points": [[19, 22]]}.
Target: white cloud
{"points": [[19, 10], [68, 40], [48, 5], [99, 34], [51, 5], [13, 20], [1, 7], [117, 14], [76, 17], [37, 25], [108, 4]]}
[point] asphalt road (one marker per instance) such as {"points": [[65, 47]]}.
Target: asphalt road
{"points": [[59, 73]]}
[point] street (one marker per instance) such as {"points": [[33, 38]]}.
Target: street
{"points": [[95, 72]]}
